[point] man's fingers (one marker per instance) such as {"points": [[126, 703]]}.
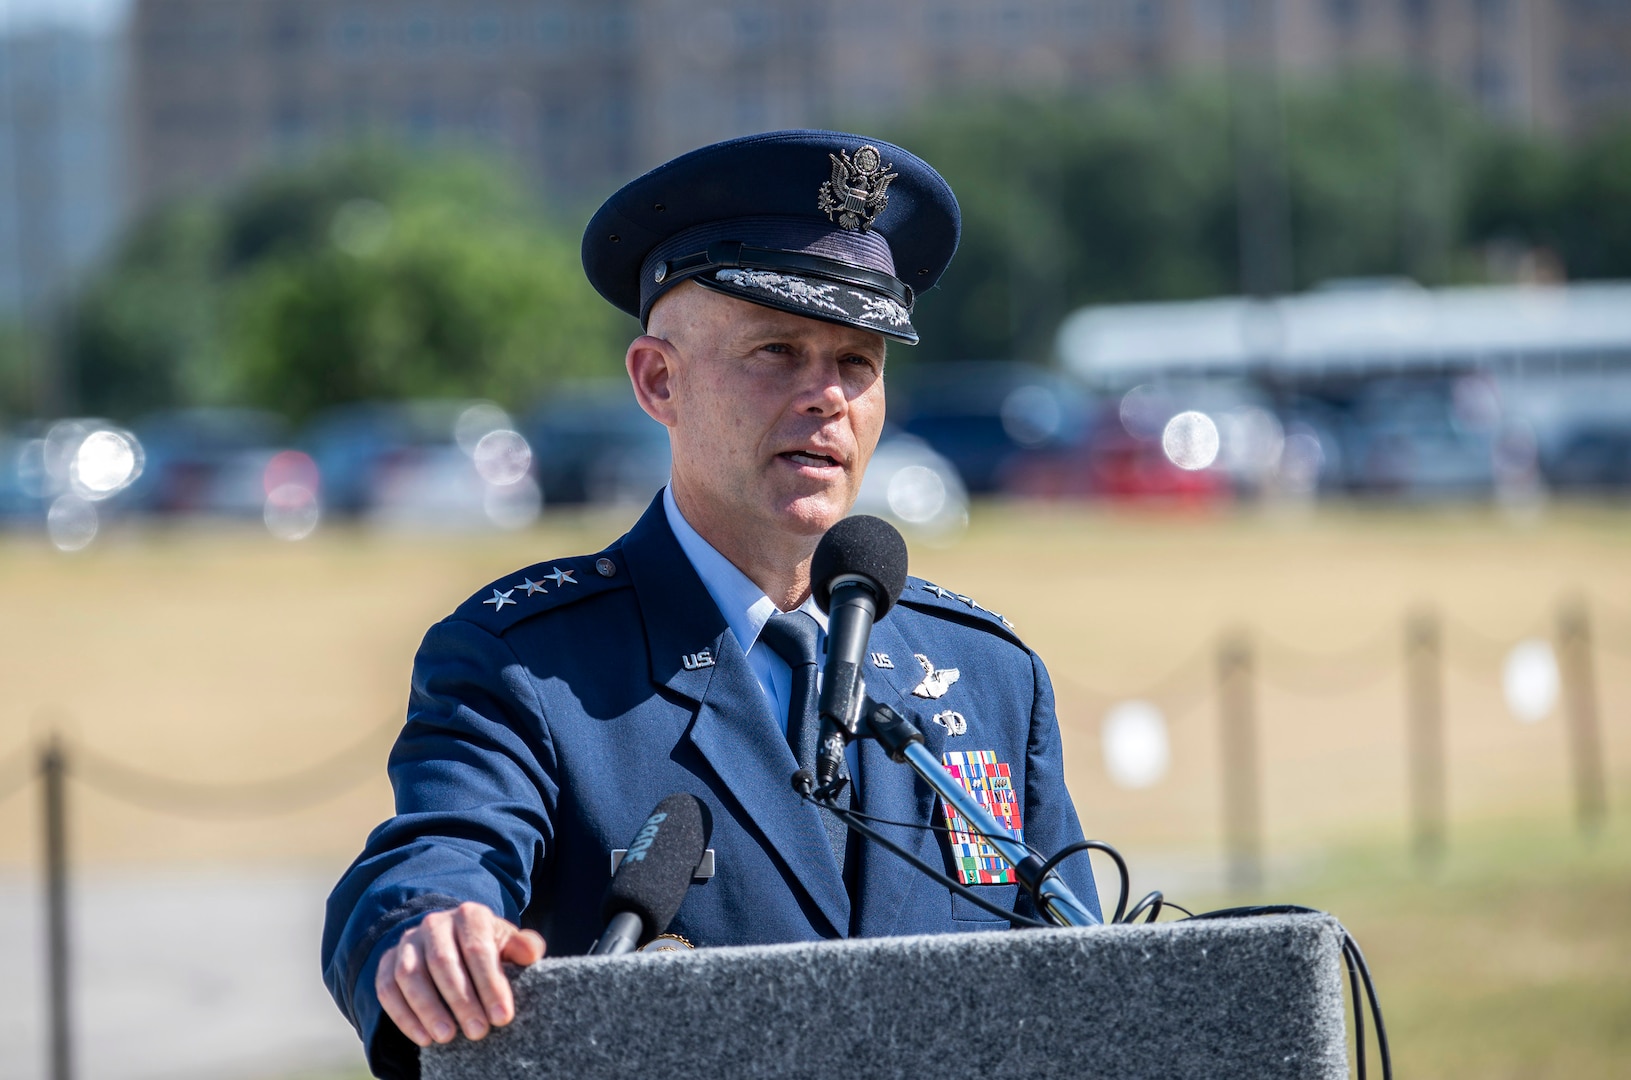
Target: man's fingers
{"points": [[523, 947], [414, 981], [445, 961], [395, 1005], [478, 934]]}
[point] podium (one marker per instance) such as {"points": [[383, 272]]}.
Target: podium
{"points": [[1257, 998]]}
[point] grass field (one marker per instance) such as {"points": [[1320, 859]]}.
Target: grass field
{"points": [[222, 657]]}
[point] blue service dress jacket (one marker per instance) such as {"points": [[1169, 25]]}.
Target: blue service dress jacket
{"points": [[556, 707]]}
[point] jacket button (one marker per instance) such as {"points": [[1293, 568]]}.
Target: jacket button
{"points": [[605, 567]]}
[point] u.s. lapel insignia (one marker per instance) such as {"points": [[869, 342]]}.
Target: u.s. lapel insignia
{"points": [[952, 721], [697, 660], [991, 784], [499, 599], [561, 577], [854, 197], [533, 586], [936, 681], [881, 660]]}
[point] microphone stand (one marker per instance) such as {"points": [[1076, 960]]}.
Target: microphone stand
{"points": [[901, 739]]}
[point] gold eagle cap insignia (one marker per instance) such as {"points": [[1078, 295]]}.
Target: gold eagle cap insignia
{"points": [[856, 194]]}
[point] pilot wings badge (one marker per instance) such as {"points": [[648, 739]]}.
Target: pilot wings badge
{"points": [[936, 681], [854, 196]]}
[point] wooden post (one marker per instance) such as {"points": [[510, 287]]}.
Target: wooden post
{"points": [[1580, 705], [1237, 722], [53, 771], [1424, 717]]}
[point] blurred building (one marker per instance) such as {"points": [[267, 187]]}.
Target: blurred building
{"points": [[62, 178], [581, 91]]}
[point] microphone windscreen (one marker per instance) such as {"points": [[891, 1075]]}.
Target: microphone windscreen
{"points": [[865, 546], [655, 873]]}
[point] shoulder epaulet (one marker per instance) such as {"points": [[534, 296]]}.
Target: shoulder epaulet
{"points": [[542, 587], [927, 596]]}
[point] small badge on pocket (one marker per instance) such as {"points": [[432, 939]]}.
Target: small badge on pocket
{"points": [[988, 780]]}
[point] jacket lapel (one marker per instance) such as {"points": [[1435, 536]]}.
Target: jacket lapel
{"points": [[694, 654], [894, 792]]}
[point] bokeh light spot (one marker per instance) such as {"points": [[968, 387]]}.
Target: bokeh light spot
{"points": [[291, 511], [71, 523], [916, 494], [1031, 415], [105, 463], [513, 506], [1190, 440], [476, 421], [290, 467], [1529, 680], [1136, 749], [502, 457]]}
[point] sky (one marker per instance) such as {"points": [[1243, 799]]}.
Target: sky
{"points": [[90, 14]]}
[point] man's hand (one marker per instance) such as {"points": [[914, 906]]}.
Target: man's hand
{"points": [[447, 968]]}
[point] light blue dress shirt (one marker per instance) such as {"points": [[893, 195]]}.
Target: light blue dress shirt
{"points": [[745, 607]]}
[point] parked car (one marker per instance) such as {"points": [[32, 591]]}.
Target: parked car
{"points": [[1593, 459], [990, 418], [437, 464], [596, 445]]}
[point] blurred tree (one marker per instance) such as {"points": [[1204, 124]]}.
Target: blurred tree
{"points": [[1128, 198], [16, 385], [1137, 195], [361, 277]]}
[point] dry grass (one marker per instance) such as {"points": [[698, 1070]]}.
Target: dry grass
{"points": [[223, 657]]}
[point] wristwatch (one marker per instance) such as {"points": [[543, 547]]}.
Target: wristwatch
{"points": [[667, 943]]}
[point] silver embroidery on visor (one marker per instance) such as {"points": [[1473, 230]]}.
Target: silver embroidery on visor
{"points": [[784, 286]]}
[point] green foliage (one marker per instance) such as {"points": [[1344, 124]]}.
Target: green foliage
{"points": [[15, 371], [1137, 195], [360, 278]]}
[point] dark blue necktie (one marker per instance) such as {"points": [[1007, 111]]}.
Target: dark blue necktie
{"points": [[792, 635]]}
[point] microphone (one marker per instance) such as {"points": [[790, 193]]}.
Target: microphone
{"points": [[858, 572], [651, 880]]}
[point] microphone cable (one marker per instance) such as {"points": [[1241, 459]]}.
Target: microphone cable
{"points": [[1150, 907]]}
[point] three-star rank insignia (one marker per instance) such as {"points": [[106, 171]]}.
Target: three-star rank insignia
{"points": [[544, 587], [947, 594], [855, 195]]}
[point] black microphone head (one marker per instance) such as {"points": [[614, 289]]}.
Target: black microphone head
{"points": [[652, 878], [864, 546]]}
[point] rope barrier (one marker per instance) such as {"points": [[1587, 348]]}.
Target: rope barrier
{"points": [[1489, 647], [15, 773], [1173, 684], [1303, 684], [1384, 641], [294, 791]]}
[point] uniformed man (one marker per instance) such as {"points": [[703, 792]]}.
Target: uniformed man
{"points": [[555, 707]]}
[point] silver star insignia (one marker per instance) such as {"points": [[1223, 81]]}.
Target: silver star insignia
{"points": [[1002, 619], [935, 681], [499, 599], [561, 577], [532, 586], [938, 591], [969, 600]]}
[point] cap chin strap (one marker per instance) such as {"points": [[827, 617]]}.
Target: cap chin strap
{"points": [[735, 255]]}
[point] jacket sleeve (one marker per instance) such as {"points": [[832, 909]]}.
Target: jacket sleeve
{"points": [[1050, 816], [474, 780]]}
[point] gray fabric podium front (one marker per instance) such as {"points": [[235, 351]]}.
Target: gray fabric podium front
{"points": [[1250, 998]]}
